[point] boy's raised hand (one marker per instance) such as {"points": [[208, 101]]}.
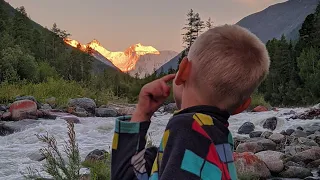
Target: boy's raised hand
{"points": [[151, 97]]}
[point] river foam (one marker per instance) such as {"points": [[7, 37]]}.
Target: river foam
{"points": [[96, 133]]}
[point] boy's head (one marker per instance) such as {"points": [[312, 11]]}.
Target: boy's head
{"points": [[223, 68]]}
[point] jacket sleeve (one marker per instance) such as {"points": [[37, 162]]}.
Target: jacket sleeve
{"points": [[130, 159], [188, 153]]}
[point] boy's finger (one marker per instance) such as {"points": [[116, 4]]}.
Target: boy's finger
{"points": [[165, 88], [168, 77]]}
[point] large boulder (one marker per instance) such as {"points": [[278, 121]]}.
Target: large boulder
{"points": [[307, 156], [88, 104], [250, 166], [260, 109], [314, 164], [299, 133], [249, 147], [295, 172], [304, 141], [246, 128], [270, 123], [272, 159], [23, 109], [31, 98], [106, 112], [277, 138], [293, 150], [256, 145]]}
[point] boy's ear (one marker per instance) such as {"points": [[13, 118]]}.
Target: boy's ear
{"points": [[184, 71], [243, 106]]}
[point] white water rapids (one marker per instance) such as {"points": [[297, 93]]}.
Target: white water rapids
{"points": [[96, 133]]}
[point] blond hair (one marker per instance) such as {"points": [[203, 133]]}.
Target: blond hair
{"points": [[228, 64]]}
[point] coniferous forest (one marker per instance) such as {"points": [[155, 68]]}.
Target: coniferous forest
{"points": [[36, 61]]}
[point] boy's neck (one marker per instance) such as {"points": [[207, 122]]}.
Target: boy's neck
{"points": [[193, 100]]}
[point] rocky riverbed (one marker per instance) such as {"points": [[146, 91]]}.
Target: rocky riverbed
{"points": [[270, 144]]}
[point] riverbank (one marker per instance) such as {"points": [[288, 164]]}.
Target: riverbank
{"points": [[269, 143]]}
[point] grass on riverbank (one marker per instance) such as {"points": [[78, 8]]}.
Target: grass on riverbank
{"points": [[60, 89]]}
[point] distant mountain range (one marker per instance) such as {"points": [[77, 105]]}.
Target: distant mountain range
{"points": [[280, 19], [135, 60]]}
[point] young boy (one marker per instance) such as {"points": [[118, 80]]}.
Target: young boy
{"points": [[223, 68]]}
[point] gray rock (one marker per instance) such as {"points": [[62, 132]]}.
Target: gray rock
{"points": [[248, 163], [106, 112], [299, 133], [170, 108], [300, 128], [304, 141], [46, 107], [272, 159], [307, 156], [246, 128], [291, 112], [296, 172], [88, 104], [293, 150], [31, 98], [96, 155], [253, 147], [314, 164], [36, 156], [270, 123], [256, 145], [5, 130], [80, 112], [71, 119], [311, 130], [3, 107], [254, 134], [289, 131], [290, 163], [6, 116], [283, 132], [277, 138], [266, 134], [51, 101], [315, 137]]}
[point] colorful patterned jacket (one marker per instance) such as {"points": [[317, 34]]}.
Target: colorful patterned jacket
{"points": [[195, 145]]}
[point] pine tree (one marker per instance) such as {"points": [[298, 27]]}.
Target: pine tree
{"points": [[191, 33], [198, 24], [209, 23]]}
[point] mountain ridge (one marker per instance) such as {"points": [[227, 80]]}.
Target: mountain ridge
{"points": [[272, 22]]}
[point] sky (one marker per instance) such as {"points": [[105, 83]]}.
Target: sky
{"points": [[118, 24]]}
